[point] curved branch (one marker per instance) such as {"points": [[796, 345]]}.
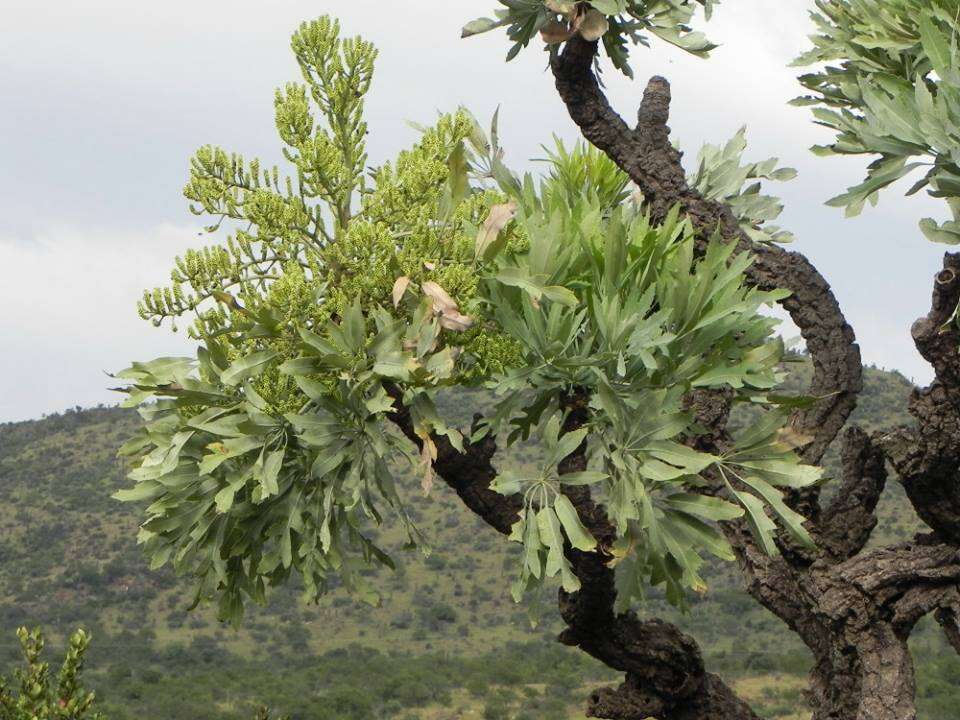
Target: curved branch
{"points": [[847, 523], [665, 674], [647, 156]]}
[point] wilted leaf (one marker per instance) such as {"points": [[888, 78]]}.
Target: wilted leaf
{"points": [[428, 453], [446, 307], [592, 25], [399, 288], [458, 322], [793, 438], [563, 7], [497, 220], [441, 298], [555, 32]]}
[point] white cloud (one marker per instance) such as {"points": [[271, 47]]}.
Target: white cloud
{"points": [[69, 313]]}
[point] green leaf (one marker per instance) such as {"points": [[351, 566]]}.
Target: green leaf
{"points": [[480, 25], [701, 535], [762, 526], [270, 471], [247, 367], [792, 520], [552, 536], [587, 477], [610, 7], [936, 46], [227, 450], [578, 535], [710, 508], [507, 483], [682, 456], [946, 234], [141, 492], [568, 444]]}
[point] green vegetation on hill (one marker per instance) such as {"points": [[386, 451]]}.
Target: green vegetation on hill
{"points": [[447, 643]]}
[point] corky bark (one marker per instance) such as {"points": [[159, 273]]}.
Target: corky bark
{"points": [[854, 609], [927, 456]]}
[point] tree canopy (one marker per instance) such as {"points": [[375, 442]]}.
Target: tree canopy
{"points": [[341, 297]]}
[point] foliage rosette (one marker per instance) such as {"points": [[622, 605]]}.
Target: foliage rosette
{"points": [[342, 295]]}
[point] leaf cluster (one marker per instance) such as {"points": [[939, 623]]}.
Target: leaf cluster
{"points": [[617, 24], [622, 312], [721, 175], [889, 86]]}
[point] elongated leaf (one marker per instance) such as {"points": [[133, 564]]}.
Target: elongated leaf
{"points": [[710, 508], [247, 367], [578, 535]]}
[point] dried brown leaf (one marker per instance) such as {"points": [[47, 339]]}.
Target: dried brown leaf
{"points": [[442, 302], [564, 7], [499, 217], [455, 321], [793, 438], [592, 25], [399, 289], [555, 32], [428, 453]]}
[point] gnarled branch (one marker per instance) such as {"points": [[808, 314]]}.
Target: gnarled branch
{"points": [[646, 155], [927, 457], [949, 619], [846, 525]]}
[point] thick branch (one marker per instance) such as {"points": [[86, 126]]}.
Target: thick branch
{"points": [[469, 474], [646, 155], [949, 619], [927, 457], [847, 523], [665, 675], [909, 580]]}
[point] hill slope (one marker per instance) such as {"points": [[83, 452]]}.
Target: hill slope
{"points": [[447, 643]]}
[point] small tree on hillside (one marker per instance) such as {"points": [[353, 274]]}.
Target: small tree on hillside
{"points": [[616, 326]]}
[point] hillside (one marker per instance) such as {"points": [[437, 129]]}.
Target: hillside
{"points": [[69, 558]]}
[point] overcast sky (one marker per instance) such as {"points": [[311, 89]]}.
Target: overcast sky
{"points": [[104, 101]]}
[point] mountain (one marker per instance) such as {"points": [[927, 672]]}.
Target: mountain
{"points": [[448, 642]]}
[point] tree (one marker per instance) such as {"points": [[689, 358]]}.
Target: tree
{"points": [[615, 328]]}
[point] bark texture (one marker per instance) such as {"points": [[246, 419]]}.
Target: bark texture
{"points": [[854, 609]]}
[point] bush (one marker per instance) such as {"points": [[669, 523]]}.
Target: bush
{"points": [[36, 696]]}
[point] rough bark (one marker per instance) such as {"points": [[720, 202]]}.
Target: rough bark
{"points": [[846, 525], [927, 457]]}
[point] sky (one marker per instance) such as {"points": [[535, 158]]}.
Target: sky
{"points": [[104, 102]]}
